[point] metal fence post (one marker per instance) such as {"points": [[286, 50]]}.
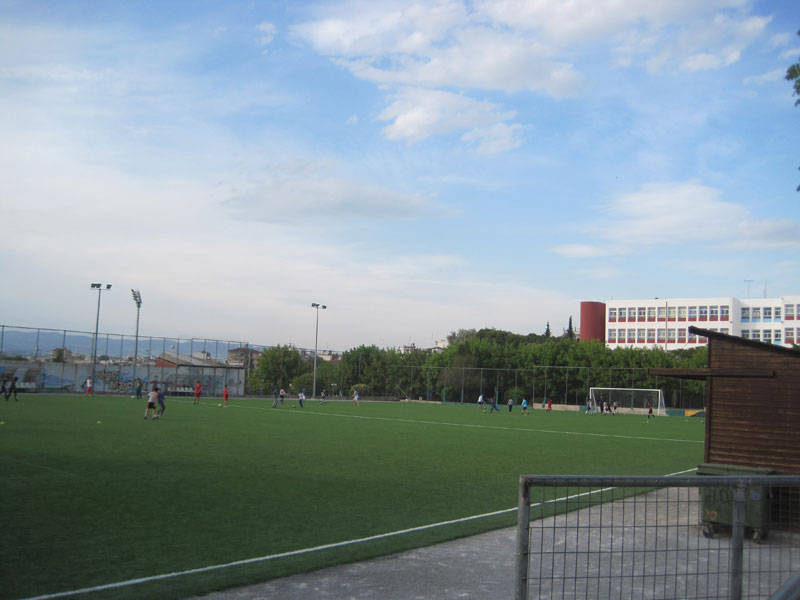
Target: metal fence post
{"points": [[523, 541], [737, 541]]}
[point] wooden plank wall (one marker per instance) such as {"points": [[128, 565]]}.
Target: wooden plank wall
{"points": [[754, 421]]}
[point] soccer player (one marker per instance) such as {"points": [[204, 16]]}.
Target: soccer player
{"points": [[323, 398], [152, 396], [282, 394], [650, 411], [225, 395], [12, 389], [549, 405], [89, 384], [525, 406], [355, 397], [160, 398], [301, 396], [197, 392], [510, 404], [480, 403]]}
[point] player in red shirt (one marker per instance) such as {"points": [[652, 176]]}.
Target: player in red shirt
{"points": [[197, 390], [225, 395]]}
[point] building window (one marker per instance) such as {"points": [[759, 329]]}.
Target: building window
{"points": [[622, 314], [612, 314], [755, 314], [671, 336], [703, 313], [681, 335], [767, 313], [640, 312], [651, 336], [713, 312], [693, 313], [672, 313], [681, 313], [640, 336], [789, 311], [776, 336], [724, 312], [692, 338], [767, 336], [755, 334], [789, 331], [651, 313], [745, 315], [778, 314], [612, 335], [745, 334], [631, 336], [724, 330], [661, 335], [662, 313]]}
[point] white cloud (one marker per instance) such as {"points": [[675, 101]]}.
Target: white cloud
{"points": [[675, 212], [580, 250], [352, 120], [418, 114], [307, 190], [267, 32], [764, 78], [790, 54]]}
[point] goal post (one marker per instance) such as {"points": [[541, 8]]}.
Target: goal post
{"points": [[628, 398]]}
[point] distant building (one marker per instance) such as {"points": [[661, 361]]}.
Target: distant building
{"points": [[172, 360], [665, 322], [243, 356]]}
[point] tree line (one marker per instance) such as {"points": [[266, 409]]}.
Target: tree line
{"points": [[486, 361]]}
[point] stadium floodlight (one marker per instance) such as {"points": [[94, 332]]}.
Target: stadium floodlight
{"points": [[99, 287], [317, 306], [137, 298]]}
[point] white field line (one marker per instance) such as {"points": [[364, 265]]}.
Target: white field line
{"points": [[247, 561], [467, 425]]}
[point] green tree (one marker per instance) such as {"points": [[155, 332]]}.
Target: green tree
{"points": [[277, 367]]}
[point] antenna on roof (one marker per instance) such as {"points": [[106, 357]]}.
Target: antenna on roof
{"points": [[748, 282]]}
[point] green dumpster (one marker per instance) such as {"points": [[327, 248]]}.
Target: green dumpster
{"points": [[717, 503]]}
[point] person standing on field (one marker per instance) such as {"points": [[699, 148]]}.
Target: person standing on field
{"points": [[355, 397], [480, 403], [160, 398], [510, 404], [494, 405], [282, 394], [12, 389], [89, 386], [525, 406], [225, 395], [151, 403], [138, 388], [197, 391], [549, 405]]}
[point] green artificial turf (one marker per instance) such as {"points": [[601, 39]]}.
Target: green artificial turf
{"points": [[94, 494]]}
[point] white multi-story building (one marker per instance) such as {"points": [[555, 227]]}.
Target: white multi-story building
{"points": [[665, 321]]}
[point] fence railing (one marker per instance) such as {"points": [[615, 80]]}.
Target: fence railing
{"points": [[657, 537]]}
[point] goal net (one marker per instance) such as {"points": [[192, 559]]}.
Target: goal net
{"points": [[628, 398]]}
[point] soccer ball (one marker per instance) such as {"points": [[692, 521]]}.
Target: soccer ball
{"points": [[219, 404]]}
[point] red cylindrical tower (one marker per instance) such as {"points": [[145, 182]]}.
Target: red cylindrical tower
{"points": [[593, 321]]}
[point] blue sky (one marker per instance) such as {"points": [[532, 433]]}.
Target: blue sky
{"points": [[418, 167]]}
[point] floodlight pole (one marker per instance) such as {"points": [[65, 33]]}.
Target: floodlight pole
{"points": [[317, 306], [137, 298], [99, 287]]}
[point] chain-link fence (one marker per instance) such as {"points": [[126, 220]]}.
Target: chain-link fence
{"points": [[656, 537]]}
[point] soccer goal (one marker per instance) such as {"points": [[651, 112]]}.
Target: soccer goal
{"points": [[628, 398]]}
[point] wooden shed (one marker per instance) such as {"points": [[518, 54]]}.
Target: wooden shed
{"points": [[752, 402]]}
